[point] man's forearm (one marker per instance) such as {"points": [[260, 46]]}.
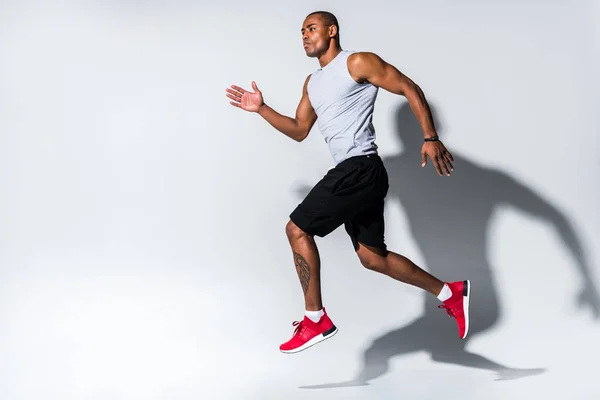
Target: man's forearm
{"points": [[286, 125], [418, 104]]}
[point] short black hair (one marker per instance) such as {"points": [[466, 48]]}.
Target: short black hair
{"points": [[329, 19]]}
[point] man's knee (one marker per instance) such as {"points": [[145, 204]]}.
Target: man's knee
{"points": [[372, 258], [293, 232], [374, 263]]}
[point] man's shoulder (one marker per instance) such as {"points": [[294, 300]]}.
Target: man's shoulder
{"points": [[362, 56], [362, 64]]}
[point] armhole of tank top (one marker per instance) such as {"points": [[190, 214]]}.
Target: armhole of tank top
{"points": [[308, 84], [348, 76]]}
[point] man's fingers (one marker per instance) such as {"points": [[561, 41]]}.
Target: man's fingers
{"points": [[440, 157], [444, 163], [443, 168], [437, 165], [234, 93], [448, 158], [239, 89], [233, 103], [233, 97]]}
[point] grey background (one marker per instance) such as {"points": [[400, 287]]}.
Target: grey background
{"points": [[143, 253]]}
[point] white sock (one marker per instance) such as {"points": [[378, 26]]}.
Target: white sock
{"points": [[445, 293], [315, 316]]}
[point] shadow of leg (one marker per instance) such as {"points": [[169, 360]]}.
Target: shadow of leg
{"points": [[431, 334], [472, 360], [376, 358], [374, 366]]}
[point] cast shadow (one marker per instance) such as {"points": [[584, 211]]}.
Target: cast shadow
{"points": [[449, 219]]}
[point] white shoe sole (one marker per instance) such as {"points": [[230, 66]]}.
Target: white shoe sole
{"points": [[317, 339], [466, 305]]}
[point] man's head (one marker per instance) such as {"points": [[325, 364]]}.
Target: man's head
{"points": [[320, 31]]}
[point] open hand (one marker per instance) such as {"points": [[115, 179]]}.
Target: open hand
{"points": [[248, 101], [439, 155]]}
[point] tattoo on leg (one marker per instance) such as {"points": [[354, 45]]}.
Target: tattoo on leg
{"points": [[303, 270]]}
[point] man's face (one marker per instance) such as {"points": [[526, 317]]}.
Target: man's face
{"points": [[315, 36]]}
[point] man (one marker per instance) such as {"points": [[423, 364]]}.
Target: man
{"points": [[340, 96]]}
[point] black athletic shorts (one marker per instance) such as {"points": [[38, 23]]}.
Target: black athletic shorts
{"points": [[352, 193]]}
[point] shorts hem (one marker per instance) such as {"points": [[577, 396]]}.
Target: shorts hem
{"points": [[377, 244], [303, 223]]}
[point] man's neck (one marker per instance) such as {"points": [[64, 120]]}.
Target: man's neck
{"points": [[329, 55]]}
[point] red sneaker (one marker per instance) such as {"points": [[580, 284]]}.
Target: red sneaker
{"points": [[309, 333], [457, 305]]}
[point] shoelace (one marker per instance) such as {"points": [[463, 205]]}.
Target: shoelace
{"points": [[448, 309], [299, 327]]}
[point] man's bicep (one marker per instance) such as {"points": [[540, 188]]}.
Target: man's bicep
{"points": [[392, 80], [375, 70], [305, 113]]}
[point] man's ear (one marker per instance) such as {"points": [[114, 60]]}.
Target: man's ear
{"points": [[332, 31]]}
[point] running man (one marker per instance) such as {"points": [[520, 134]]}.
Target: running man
{"points": [[340, 97]]}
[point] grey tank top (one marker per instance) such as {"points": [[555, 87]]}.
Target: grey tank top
{"points": [[344, 109]]}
